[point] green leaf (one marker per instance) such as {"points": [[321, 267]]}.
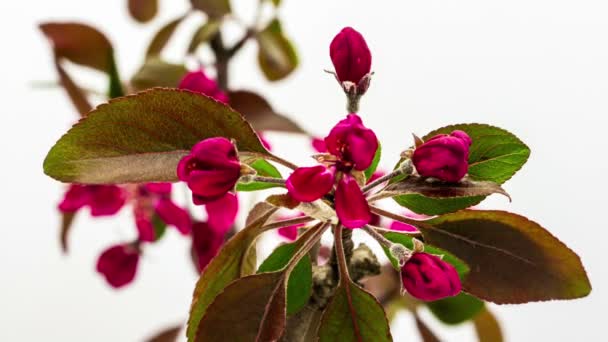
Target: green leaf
{"points": [[353, 315], [276, 55], [80, 44], [226, 266], [158, 73], [515, 260], [260, 114], [141, 138], [115, 87], [406, 240], [162, 37], [372, 168], [466, 188], [160, 227], [213, 8], [265, 169], [143, 10], [487, 327], [456, 310], [250, 309], [299, 286], [204, 34], [495, 156]]}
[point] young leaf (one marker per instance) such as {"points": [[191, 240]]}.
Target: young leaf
{"points": [[250, 309], [226, 266], [425, 332], [495, 156], [265, 169], [260, 114], [158, 73], [487, 327], [213, 8], [141, 138], [143, 10], [204, 34], [406, 240], [67, 219], [353, 315], [299, 286], [515, 260], [161, 38], [372, 168], [80, 44], [456, 310], [76, 95], [418, 185], [276, 55]]}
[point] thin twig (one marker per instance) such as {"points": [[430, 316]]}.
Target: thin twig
{"points": [[287, 223], [394, 216], [377, 236], [381, 180], [271, 157], [339, 248], [272, 180]]}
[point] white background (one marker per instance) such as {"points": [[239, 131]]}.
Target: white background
{"points": [[538, 68]]}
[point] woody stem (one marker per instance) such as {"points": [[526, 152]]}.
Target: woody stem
{"points": [[377, 236], [272, 180]]}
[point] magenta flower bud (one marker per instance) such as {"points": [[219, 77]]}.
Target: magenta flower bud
{"points": [[429, 278], [173, 215], [205, 244], [354, 144], [211, 170], [118, 264], [444, 156], [162, 189], [350, 55], [351, 205], [308, 184], [197, 81], [221, 213]]}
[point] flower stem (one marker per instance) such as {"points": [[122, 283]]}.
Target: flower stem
{"points": [[381, 180], [396, 217], [272, 180], [377, 236], [270, 157], [340, 253], [286, 223]]}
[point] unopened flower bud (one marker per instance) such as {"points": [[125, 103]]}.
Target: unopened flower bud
{"points": [[429, 278], [444, 156], [350, 55]]}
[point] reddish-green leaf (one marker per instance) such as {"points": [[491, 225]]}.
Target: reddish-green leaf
{"points": [[250, 309], [167, 335], [204, 34], [161, 38], [157, 73], [277, 56], [143, 10], [425, 332], [487, 327], [260, 114], [226, 266], [141, 138], [353, 315], [421, 186], [80, 44], [213, 8], [457, 309], [512, 259], [76, 95]]}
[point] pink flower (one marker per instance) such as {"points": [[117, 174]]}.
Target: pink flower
{"points": [[197, 81], [103, 200], [221, 213], [351, 206], [206, 243], [444, 156], [307, 184], [118, 264], [211, 170], [350, 55], [290, 232], [354, 144], [319, 145], [429, 278], [173, 215]]}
